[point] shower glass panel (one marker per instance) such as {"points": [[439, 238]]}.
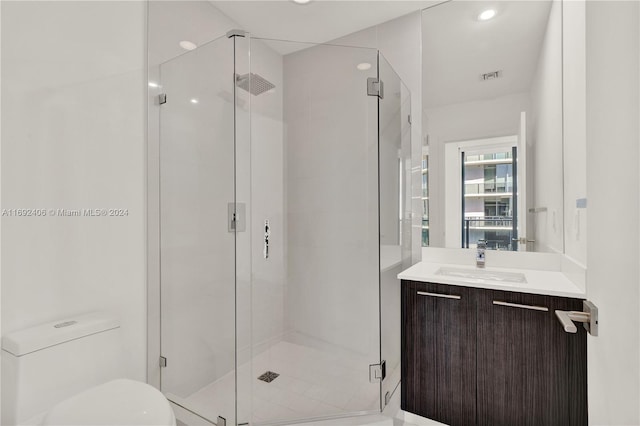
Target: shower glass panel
{"points": [[395, 214], [284, 219], [314, 179], [197, 249], [249, 239]]}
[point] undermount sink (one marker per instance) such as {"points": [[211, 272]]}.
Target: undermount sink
{"points": [[481, 274]]}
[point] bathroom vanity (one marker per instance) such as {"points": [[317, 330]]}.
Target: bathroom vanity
{"points": [[481, 348]]}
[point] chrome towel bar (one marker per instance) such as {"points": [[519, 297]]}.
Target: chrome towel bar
{"points": [[588, 316]]}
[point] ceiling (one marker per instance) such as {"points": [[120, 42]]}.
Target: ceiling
{"points": [[319, 21], [457, 48]]}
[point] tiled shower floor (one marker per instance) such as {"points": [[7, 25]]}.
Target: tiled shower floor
{"points": [[311, 383]]}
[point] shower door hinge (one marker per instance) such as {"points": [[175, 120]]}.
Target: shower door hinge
{"points": [[162, 98], [163, 362], [236, 213], [375, 87], [377, 372]]}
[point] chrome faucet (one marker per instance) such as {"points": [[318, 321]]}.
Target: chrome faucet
{"points": [[482, 246]]}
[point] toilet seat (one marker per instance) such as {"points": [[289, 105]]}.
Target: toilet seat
{"points": [[118, 402]]}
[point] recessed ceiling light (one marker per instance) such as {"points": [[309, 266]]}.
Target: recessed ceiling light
{"points": [[153, 84], [364, 66], [194, 101], [188, 45], [302, 1], [486, 15]]}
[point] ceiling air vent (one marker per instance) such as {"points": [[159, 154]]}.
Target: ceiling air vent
{"points": [[491, 75]]}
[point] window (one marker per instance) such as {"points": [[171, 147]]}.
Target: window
{"points": [[489, 198], [425, 199]]}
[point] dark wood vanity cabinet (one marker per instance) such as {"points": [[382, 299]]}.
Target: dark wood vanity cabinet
{"points": [[486, 357], [438, 363], [530, 371]]}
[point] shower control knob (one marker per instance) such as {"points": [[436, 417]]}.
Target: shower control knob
{"points": [[267, 233]]}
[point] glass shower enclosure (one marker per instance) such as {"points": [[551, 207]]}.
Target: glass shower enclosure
{"points": [[284, 215]]}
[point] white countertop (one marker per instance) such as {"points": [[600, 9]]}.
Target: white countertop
{"points": [[552, 283]]}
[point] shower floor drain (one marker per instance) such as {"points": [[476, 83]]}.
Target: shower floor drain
{"points": [[268, 377]]}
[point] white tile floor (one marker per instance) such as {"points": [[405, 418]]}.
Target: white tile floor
{"points": [[391, 416], [312, 383]]}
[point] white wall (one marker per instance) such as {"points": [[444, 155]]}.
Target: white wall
{"points": [[172, 21], [613, 111], [73, 137], [574, 113], [546, 134]]}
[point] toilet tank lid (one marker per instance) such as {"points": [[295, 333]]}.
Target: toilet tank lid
{"points": [[53, 333]]}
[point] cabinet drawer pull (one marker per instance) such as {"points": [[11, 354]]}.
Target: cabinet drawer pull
{"points": [[445, 296], [516, 305]]}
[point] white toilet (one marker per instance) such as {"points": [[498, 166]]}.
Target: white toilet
{"points": [[69, 373]]}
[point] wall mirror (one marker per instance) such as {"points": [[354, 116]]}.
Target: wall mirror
{"points": [[492, 166]]}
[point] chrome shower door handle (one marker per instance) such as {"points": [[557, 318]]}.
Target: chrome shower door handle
{"points": [[267, 234]]}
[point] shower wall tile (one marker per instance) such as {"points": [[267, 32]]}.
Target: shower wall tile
{"points": [[331, 198], [267, 202]]}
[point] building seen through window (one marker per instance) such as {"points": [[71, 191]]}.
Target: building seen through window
{"points": [[488, 200]]}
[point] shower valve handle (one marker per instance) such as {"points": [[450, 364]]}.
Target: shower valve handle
{"points": [[267, 233]]}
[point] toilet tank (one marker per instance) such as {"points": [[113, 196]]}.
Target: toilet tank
{"points": [[48, 363]]}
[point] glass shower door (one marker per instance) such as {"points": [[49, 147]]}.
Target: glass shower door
{"points": [[394, 112], [314, 184], [197, 242]]}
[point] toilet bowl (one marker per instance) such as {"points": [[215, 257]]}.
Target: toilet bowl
{"points": [[118, 402], [70, 372]]}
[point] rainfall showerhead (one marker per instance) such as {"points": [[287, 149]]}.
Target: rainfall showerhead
{"points": [[254, 83]]}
